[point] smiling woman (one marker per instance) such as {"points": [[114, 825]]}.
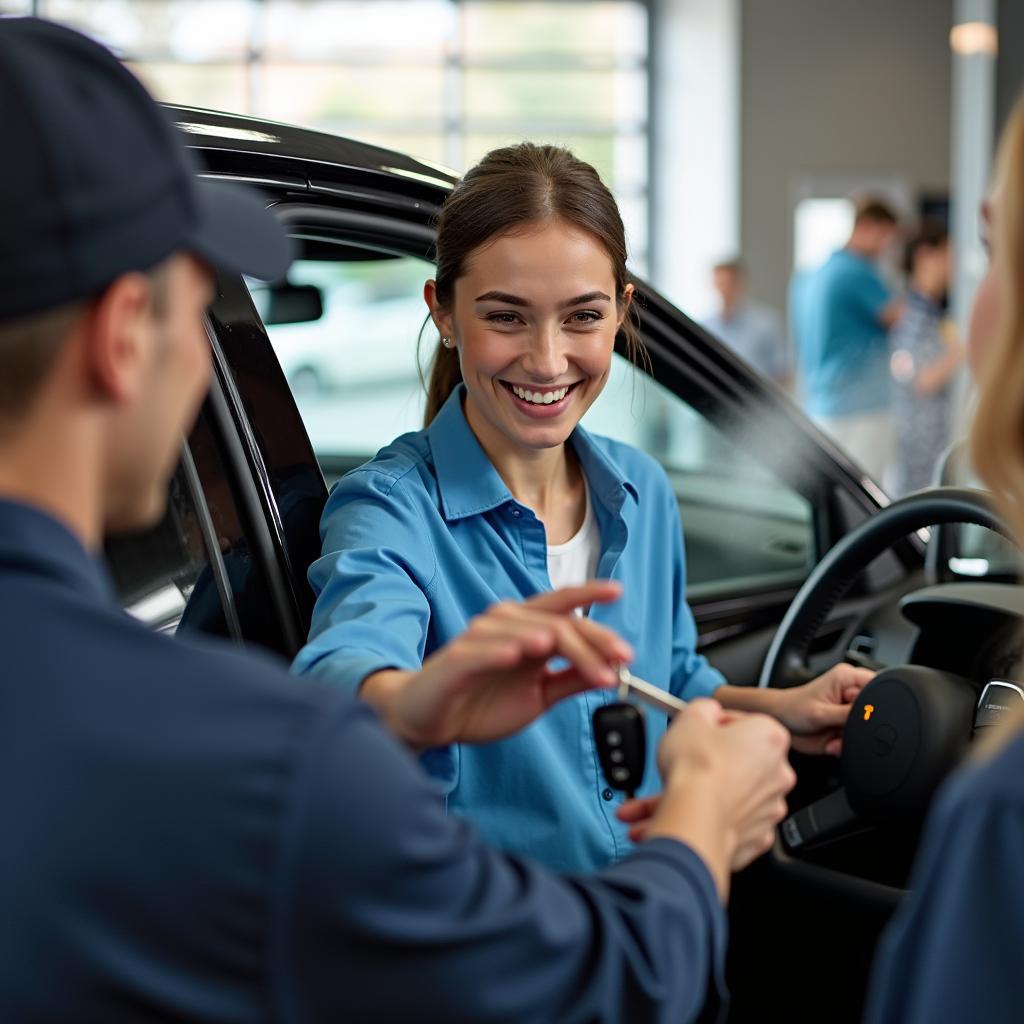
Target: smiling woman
{"points": [[504, 495]]}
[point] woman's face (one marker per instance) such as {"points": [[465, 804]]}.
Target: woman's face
{"points": [[534, 319], [985, 309]]}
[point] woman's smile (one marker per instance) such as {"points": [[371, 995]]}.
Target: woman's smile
{"points": [[540, 402]]}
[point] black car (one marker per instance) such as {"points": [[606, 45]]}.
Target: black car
{"points": [[330, 372]]}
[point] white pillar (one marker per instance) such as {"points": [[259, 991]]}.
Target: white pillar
{"points": [[973, 43], [695, 197]]}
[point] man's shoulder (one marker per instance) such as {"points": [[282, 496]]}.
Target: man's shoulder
{"points": [[101, 663], [995, 781]]}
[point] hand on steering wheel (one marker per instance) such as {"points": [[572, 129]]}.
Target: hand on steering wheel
{"points": [[816, 712]]}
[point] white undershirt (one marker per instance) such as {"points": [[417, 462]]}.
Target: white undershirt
{"points": [[575, 561]]}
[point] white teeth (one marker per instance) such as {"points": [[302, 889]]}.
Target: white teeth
{"points": [[540, 397]]}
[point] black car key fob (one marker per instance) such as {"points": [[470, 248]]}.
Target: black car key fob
{"points": [[621, 745]]}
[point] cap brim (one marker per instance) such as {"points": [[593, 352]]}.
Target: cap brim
{"points": [[236, 232]]}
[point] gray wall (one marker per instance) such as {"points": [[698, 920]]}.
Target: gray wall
{"points": [[1010, 64], [836, 87]]}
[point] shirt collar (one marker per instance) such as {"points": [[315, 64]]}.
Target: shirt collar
{"points": [[469, 484], [32, 541]]}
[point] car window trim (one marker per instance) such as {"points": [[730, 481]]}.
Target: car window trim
{"points": [[261, 519], [215, 558]]}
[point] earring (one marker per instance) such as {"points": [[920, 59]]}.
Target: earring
{"points": [[447, 342]]}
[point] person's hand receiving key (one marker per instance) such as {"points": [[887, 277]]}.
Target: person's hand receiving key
{"points": [[726, 776]]}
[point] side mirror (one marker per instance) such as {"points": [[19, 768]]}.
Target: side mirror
{"points": [[287, 303]]}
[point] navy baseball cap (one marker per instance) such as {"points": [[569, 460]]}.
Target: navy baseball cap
{"points": [[96, 182]]}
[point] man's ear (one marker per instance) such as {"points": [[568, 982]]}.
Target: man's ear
{"points": [[442, 317], [115, 343]]}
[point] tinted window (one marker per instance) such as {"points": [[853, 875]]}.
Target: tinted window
{"points": [[354, 375], [745, 529]]}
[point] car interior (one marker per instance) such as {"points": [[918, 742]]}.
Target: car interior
{"points": [[794, 564]]}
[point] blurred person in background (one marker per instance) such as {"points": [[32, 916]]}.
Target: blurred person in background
{"points": [[953, 951], [751, 330], [841, 314], [926, 355]]}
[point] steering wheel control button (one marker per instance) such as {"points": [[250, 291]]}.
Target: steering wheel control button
{"points": [[998, 699], [907, 729], [621, 741]]}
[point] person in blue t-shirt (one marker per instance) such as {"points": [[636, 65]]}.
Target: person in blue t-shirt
{"points": [[504, 495], [953, 951], [840, 316]]}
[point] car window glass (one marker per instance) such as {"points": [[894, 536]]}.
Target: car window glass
{"points": [[195, 571], [744, 528], [353, 370], [968, 551], [354, 375]]}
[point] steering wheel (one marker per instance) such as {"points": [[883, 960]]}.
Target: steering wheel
{"points": [[910, 725]]}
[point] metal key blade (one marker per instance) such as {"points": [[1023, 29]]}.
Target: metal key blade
{"points": [[647, 693]]}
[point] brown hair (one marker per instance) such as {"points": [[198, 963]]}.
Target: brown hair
{"points": [[30, 345], [509, 188], [875, 210], [931, 235], [997, 436]]}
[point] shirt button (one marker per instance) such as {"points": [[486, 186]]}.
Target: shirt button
{"points": [[516, 513], [607, 794]]}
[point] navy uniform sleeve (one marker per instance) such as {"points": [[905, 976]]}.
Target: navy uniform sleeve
{"points": [[391, 910], [953, 951]]}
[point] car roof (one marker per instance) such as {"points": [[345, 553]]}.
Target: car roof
{"points": [[242, 147]]}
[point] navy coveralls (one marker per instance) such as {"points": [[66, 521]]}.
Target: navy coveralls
{"points": [[189, 833]]}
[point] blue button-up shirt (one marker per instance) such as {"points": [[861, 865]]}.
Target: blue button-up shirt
{"points": [[427, 535]]}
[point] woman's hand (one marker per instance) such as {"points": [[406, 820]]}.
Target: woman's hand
{"points": [[816, 712], [494, 678]]}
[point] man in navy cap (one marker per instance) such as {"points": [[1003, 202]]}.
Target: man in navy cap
{"points": [[188, 832]]}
